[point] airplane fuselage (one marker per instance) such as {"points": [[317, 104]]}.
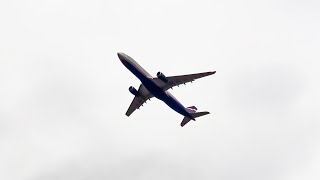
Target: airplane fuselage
{"points": [[154, 89]]}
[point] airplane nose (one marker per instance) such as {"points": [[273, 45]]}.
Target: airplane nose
{"points": [[120, 55]]}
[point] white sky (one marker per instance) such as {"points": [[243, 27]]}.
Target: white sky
{"points": [[63, 91]]}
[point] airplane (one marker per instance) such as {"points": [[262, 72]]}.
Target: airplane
{"points": [[158, 87]]}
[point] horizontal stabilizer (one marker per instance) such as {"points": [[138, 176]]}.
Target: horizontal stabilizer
{"points": [[198, 114], [194, 115], [185, 121]]}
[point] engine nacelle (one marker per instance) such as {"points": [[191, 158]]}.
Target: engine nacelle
{"points": [[134, 91], [162, 77]]}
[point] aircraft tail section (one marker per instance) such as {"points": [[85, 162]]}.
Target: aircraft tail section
{"points": [[194, 115], [192, 107]]}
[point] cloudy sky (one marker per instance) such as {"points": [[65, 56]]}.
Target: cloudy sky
{"points": [[63, 91]]}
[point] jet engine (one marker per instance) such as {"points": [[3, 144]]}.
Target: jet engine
{"points": [[162, 77], [134, 91]]}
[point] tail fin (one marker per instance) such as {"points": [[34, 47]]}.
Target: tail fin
{"points": [[194, 115], [192, 107]]}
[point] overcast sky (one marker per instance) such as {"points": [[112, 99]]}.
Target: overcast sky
{"points": [[64, 92]]}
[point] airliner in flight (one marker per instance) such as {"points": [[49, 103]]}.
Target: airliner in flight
{"points": [[158, 86]]}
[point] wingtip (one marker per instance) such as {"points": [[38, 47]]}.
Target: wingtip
{"points": [[213, 72]]}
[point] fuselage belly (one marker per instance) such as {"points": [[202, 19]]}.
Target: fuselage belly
{"points": [[159, 93]]}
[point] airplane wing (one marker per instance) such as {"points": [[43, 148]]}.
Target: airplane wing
{"points": [[139, 100], [177, 80]]}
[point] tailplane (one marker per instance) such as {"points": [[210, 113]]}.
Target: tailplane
{"points": [[194, 114]]}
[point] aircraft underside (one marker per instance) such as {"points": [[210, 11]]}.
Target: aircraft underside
{"points": [[157, 87]]}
